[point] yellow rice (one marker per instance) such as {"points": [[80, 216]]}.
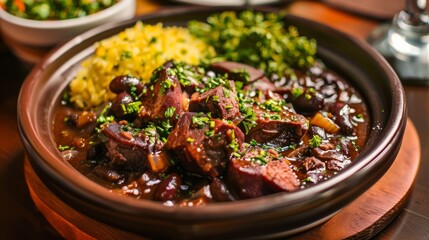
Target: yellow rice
{"points": [[137, 51]]}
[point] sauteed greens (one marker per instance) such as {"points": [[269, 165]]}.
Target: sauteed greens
{"points": [[257, 39]]}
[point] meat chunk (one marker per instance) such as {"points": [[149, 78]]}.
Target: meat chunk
{"points": [[333, 159], [278, 176], [164, 99], [203, 145], [314, 169], [259, 172], [277, 128], [245, 179], [127, 150], [220, 101]]}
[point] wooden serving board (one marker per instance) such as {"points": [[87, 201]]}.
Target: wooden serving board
{"points": [[362, 219]]}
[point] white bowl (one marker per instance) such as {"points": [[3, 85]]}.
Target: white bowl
{"points": [[47, 33]]}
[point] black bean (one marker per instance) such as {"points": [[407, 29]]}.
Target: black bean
{"points": [[120, 103], [169, 188], [126, 84]]}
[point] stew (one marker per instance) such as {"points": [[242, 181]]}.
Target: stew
{"points": [[195, 135]]}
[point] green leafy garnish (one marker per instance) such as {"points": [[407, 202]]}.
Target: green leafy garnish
{"points": [[258, 39], [315, 141]]}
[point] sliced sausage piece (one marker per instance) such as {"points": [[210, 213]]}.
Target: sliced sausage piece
{"points": [[278, 176], [259, 172]]}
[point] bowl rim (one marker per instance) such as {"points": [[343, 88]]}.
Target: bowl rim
{"points": [[100, 195], [66, 23]]}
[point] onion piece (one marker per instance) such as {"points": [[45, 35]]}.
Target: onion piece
{"points": [[158, 162], [325, 123]]}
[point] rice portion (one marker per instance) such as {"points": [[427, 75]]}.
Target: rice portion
{"points": [[137, 51]]}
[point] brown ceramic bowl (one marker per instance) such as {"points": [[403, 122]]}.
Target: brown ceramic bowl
{"points": [[275, 215]]}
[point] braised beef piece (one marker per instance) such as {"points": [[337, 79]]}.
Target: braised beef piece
{"points": [[312, 163], [164, 99], [126, 150], [334, 159], [220, 101], [238, 71], [260, 172], [286, 129], [203, 145], [314, 169], [189, 76]]}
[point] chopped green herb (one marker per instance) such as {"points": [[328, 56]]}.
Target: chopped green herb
{"points": [[62, 148], [209, 133], [315, 141], [215, 98], [200, 120], [169, 112], [297, 91], [258, 39], [166, 85], [103, 117]]}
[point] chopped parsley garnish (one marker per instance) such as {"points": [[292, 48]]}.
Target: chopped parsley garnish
{"points": [[169, 112], [150, 131], [253, 142], [249, 120], [297, 91], [103, 117], [200, 120], [273, 105], [215, 98], [133, 107], [166, 85], [258, 39], [315, 141], [261, 158], [209, 133], [211, 82], [62, 148]]}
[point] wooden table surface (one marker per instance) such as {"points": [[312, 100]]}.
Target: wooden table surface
{"points": [[19, 218]]}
